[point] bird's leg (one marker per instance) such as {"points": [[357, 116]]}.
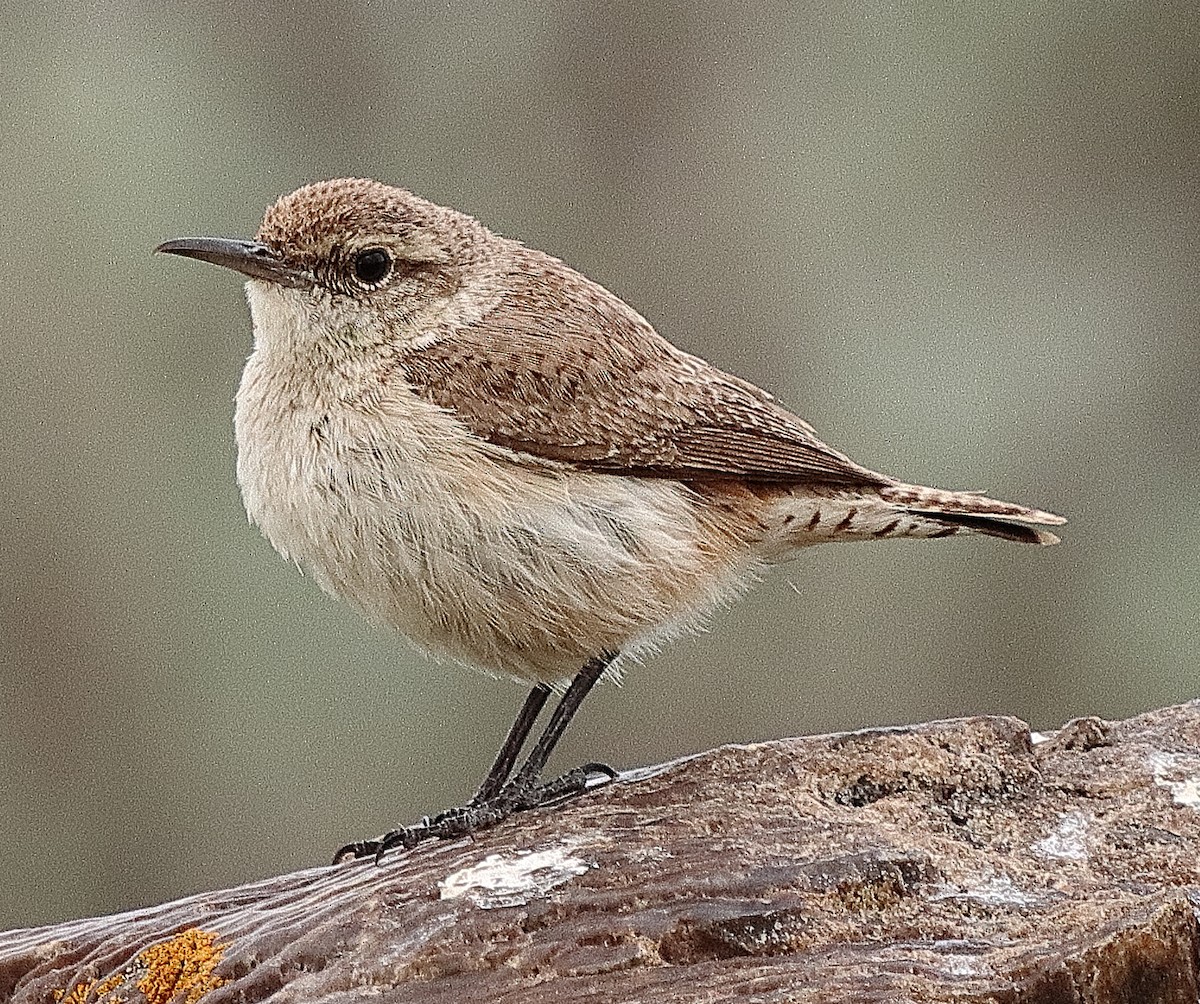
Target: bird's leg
{"points": [[524, 789], [507, 756], [500, 796]]}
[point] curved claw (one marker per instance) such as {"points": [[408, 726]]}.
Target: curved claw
{"points": [[355, 850], [518, 795], [596, 767], [568, 785]]}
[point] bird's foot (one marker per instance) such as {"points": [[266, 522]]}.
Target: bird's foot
{"points": [[519, 795]]}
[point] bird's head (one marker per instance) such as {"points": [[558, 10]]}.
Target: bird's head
{"points": [[352, 262]]}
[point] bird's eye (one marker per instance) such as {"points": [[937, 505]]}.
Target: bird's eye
{"points": [[372, 265]]}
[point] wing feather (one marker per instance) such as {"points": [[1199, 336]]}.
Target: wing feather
{"points": [[585, 380]]}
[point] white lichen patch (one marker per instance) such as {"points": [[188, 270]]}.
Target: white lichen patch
{"points": [[652, 854], [994, 890], [513, 879], [1172, 773], [964, 965], [1068, 839]]}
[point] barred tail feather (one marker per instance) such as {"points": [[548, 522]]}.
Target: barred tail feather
{"points": [[974, 511]]}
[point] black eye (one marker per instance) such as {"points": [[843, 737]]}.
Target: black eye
{"points": [[372, 265]]}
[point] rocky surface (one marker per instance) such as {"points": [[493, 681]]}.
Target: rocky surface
{"points": [[952, 861]]}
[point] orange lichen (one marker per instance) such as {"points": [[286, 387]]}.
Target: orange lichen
{"points": [[90, 990], [180, 970], [78, 994], [175, 972]]}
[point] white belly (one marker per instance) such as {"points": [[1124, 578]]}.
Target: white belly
{"points": [[519, 569]]}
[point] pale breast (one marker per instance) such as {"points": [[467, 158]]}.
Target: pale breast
{"points": [[516, 567]]}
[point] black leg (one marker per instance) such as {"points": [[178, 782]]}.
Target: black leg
{"points": [[500, 796], [512, 744], [580, 687]]}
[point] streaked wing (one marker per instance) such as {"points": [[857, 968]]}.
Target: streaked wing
{"points": [[587, 381]]}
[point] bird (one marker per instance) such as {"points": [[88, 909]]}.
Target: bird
{"points": [[479, 447]]}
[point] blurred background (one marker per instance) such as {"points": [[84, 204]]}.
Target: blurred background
{"points": [[960, 239]]}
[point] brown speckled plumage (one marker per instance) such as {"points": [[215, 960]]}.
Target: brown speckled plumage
{"points": [[481, 448], [587, 381], [507, 462]]}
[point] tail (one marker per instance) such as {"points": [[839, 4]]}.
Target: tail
{"points": [[959, 512]]}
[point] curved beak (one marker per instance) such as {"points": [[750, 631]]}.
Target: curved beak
{"points": [[248, 257]]}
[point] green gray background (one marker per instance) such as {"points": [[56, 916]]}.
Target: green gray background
{"points": [[960, 239]]}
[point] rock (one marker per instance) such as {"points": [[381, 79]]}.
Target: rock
{"points": [[951, 861]]}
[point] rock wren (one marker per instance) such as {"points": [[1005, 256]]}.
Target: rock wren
{"points": [[476, 445]]}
